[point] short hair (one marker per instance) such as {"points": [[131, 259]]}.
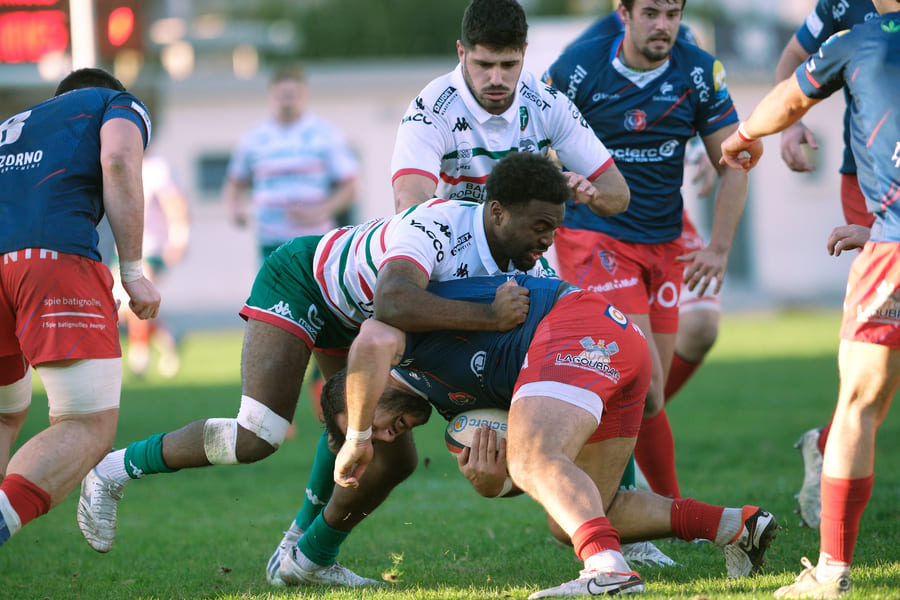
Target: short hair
{"points": [[521, 177], [495, 24], [87, 78], [333, 401], [288, 73], [629, 5]]}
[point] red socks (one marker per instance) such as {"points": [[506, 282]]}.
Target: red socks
{"points": [[843, 502], [595, 536], [680, 371], [655, 455], [28, 500], [693, 520]]}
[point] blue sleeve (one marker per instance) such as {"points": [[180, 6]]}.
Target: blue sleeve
{"points": [[818, 26], [126, 106], [715, 108], [823, 73]]}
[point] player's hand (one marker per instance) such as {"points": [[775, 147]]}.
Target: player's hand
{"points": [[510, 305], [583, 191], [792, 141], [738, 154], [351, 462], [484, 464], [847, 237], [144, 298], [706, 270]]}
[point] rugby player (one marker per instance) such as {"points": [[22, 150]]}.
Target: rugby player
{"points": [[864, 60]]}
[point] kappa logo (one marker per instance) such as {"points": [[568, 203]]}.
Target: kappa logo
{"points": [[461, 124], [635, 120], [282, 308], [11, 129]]}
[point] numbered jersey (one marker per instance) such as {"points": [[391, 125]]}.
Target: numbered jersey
{"points": [[447, 136], [50, 175], [446, 239], [645, 119]]}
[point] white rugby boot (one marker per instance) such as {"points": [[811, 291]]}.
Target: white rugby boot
{"points": [[97, 508], [595, 583], [809, 498], [744, 555], [292, 573], [290, 539]]}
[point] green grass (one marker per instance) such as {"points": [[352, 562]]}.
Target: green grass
{"points": [[207, 533]]}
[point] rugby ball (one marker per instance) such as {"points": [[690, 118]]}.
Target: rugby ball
{"points": [[462, 427]]}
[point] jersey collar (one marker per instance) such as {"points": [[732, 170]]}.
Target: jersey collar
{"points": [[484, 250], [639, 78]]}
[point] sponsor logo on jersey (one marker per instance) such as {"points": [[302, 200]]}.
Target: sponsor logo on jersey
{"points": [[646, 155], [283, 309], [419, 117], [533, 97], [666, 93], [891, 26], [615, 284], [896, 157], [719, 77], [523, 118], [608, 261], [594, 357], [461, 399], [461, 124], [604, 96], [814, 24], [145, 116], [420, 105], [462, 271], [441, 104], [575, 80], [11, 129], [527, 145], [884, 308], [20, 160], [471, 191], [635, 120], [700, 84], [462, 242], [435, 242], [464, 154], [477, 363]]}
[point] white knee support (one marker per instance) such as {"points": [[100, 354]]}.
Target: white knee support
{"points": [[16, 396], [220, 441], [220, 435], [83, 387], [258, 419]]}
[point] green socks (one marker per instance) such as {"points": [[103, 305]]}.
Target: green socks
{"points": [[319, 487]]}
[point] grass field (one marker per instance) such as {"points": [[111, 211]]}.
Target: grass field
{"points": [[207, 533]]}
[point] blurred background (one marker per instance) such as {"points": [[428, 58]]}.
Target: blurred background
{"points": [[202, 66]]}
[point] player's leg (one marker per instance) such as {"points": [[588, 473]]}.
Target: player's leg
{"points": [[698, 328], [15, 398], [84, 400]]}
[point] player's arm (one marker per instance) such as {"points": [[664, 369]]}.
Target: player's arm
{"points": [[795, 136], [374, 351], [784, 105], [234, 195], [175, 208], [401, 300], [707, 265], [121, 161], [411, 189], [607, 195]]}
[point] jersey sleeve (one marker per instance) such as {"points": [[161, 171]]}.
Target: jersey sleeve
{"points": [[823, 73], [576, 144], [715, 108], [422, 140], [239, 167], [126, 106], [423, 236], [818, 27]]}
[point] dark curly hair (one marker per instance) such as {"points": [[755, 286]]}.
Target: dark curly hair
{"points": [[495, 24], [521, 177]]}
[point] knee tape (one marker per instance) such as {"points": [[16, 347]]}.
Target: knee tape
{"points": [[83, 387], [258, 419], [220, 441], [16, 396]]}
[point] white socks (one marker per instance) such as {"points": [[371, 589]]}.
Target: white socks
{"points": [[607, 561]]}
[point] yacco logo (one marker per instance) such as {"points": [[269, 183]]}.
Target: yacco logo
{"points": [[635, 120], [462, 422], [11, 129]]}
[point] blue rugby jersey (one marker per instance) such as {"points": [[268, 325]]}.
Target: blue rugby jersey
{"points": [[50, 170], [457, 371], [866, 60], [826, 19], [644, 119]]}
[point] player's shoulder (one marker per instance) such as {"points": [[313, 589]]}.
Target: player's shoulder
{"points": [[438, 96], [540, 95]]}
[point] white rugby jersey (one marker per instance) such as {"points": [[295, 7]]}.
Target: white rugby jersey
{"points": [[445, 238], [447, 136]]}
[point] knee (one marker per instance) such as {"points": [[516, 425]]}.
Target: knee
{"points": [[697, 332], [255, 434]]}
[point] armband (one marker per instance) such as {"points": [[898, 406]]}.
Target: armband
{"points": [[742, 133], [130, 270], [358, 436]]}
